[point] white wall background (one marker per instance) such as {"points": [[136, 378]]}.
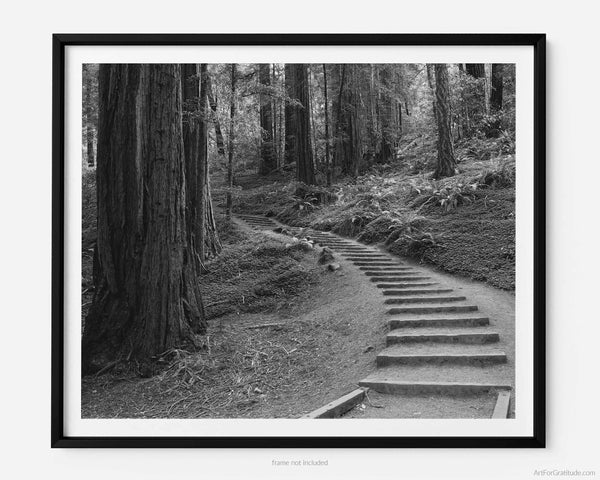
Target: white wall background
{"points": [[25, 193]]}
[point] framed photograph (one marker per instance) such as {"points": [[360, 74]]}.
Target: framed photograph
{"points": [[319, 241]]}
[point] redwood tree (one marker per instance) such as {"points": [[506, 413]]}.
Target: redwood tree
{"points": [[303, 147], [268, 161], [497, 84], [90, 113], [146, 298], [348, 150], [290, 116], [200, 219], [446, 163]]}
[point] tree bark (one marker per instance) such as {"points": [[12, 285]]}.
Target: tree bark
{"points": [[476, 70], [212, 101], [497, 86], [386, 154], [290, 128], [348, 145], [446, 163], [268, 161], [89, 129], [327, 140], [146, 298], [201, 224], [229, 205], [303, 148]]}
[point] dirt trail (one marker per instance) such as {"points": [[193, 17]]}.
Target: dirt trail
{"points": [[451, 343]]}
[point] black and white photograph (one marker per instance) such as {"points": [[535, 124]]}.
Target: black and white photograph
{"points": [[266, 240], [299, 241], [270, 240]]}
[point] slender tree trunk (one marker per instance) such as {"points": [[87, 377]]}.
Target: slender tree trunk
{"points": [[231, 141], [327, 140], [446, 163], [146, 298], [497, 86], [212, 101], [89, 129], [303, 150], [267, 163], [290, 128], [387, 124], [209, 242]]}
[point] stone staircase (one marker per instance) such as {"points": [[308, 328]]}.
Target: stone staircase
{"points": [[438, 342]]}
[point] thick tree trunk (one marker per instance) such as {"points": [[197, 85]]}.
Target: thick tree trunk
{"points": [[146, 297], [348, 144], [303, 148], [268, 162], [446, 163], [201, 225], [497, 86], [229, 205], [290, 128]]}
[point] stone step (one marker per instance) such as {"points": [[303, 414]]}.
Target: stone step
{"points": [[471, 337], [402, 271], [416, 291], [406, 284], [456, 321], [399, 387], [432, 309], [424, 299], [396, 278], [367, 255], [498, 375], [378, 263], [335, 244], [384, 269], [419, 354]]}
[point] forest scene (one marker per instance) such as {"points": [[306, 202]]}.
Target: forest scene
{"points": [[264, 240]]}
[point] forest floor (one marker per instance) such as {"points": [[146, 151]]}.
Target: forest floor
{"points": [[286, 336]]}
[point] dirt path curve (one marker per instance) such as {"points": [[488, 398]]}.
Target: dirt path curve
{"points": [[449, 347]]}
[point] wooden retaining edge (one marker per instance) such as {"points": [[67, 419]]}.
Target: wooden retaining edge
{"points": [[502, 407], [340, 406]]}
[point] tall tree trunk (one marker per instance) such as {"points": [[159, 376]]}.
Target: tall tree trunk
{"points": [[267, 158], [387, 124], [209, 242], [497, 86], [200, 219], [229, 205], [146, 298], [327, 140], [190, 80], [89, 129], [290, 128], [303, 148], [348, 145], [212, 101], [446, 163]]}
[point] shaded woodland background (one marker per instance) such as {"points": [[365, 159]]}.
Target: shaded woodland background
{"points": [[418, 156]]}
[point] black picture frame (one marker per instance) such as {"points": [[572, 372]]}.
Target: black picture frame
{"points": [[61, 41]]}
